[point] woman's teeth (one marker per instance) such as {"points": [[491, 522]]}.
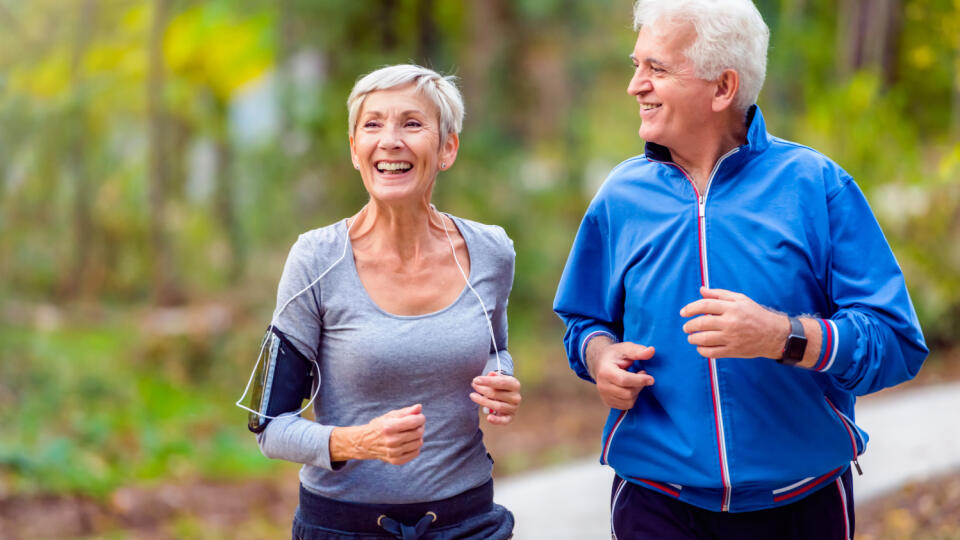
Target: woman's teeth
{"points": [[393, 167]]}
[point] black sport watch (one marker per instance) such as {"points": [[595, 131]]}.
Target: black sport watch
{"points": [[796, 344]]}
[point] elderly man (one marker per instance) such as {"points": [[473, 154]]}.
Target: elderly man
{"points": [[730, 293]]}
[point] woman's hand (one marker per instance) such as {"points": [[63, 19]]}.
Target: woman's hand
{"points": [[500, 394], [395, 437]]}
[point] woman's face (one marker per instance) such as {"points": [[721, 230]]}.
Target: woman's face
{"points": [[396, 144]]}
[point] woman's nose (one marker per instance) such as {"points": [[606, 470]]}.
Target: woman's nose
{"points": [[391, 138]]}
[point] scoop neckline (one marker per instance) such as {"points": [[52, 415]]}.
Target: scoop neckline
{"points": [[366, 294]]}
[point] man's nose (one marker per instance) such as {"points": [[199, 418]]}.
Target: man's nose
{"points": [[639, 83]]}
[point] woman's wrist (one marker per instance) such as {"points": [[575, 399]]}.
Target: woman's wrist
{"points": [[343, 444]]}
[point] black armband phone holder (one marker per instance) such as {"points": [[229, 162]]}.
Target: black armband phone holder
{"points": [[282, 381]]}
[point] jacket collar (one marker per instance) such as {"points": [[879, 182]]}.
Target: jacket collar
{"points": [[757, 138]]}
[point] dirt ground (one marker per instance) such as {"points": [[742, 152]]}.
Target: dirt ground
{"points": [[559, 421]]}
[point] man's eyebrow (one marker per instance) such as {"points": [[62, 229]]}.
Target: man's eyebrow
{"points": [[648, 60]]}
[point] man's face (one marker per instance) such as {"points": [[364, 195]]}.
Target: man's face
{"points": [[673, 102]]}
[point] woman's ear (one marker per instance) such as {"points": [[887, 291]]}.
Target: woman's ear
{"points": [[353, 154], [448, 150], [727, 86]]}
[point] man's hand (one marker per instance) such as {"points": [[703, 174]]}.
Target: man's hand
{"points": [[728, 324], [608, 363], [500, 394], [395, 437]]}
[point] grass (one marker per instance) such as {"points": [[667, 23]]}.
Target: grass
{"points": [[87, 409]]}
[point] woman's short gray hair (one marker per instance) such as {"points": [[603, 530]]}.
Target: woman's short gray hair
{"points": [[441, 90], [731, 34]]}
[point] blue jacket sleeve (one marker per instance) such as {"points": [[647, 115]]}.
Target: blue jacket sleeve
{"points": [[590, 295], [872, 339]]}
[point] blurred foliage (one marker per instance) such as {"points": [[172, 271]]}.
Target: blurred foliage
{"points": [[114, 186]]}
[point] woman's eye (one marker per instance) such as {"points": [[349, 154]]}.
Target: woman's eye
{"points": [[371, 124], [412, 123]]}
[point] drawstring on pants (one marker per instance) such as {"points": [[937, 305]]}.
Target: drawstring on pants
{"points": [[406, 532]]}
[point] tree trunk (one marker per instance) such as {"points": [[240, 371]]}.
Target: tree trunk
{"points": [[388, 19], [868, 37], [427, 33], [477, 66], [224, 196], [165, 289], [850, 31], [285, 46], [77, 281], [955, 108]]}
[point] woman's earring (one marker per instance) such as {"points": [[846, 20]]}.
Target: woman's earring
{"points": [[443, 165]]}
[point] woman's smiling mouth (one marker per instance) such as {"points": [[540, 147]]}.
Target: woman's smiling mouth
{"points": [[393, 167]]}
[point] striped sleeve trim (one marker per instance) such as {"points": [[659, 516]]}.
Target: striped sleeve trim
{"points": [[829, 345], [586, 340]]}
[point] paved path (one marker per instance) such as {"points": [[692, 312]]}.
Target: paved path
{"points": [[913, 434]]}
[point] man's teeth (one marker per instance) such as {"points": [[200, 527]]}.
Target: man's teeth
{"points": [[648, 106], [398, 166]]}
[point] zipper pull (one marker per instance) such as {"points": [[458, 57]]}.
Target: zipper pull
{"points": [[857, 465]]}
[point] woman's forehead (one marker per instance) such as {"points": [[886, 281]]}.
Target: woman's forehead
{"points": [[399, 99]]}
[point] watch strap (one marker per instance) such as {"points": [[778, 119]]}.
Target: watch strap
{"points": [[796, 344]]}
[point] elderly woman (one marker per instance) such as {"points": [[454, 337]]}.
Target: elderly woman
{"points": [[394, 320]]}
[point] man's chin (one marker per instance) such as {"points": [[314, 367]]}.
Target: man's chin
{"points": [[649, 136]]}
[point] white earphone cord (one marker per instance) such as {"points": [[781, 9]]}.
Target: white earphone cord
{"points": [[346, 243], [486, 314]]}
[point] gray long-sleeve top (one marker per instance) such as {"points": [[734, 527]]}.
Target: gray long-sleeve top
{"points": [[372, 361]]}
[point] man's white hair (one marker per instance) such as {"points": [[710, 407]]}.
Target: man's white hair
{"points": [[442, 91], [731, 34]]}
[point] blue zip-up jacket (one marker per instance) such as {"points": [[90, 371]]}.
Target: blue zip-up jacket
{"points": [[787, 227]]}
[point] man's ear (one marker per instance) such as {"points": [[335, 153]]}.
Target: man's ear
{"points": [[727, 86]]}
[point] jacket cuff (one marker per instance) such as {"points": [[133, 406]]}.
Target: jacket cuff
{"points": [[588, 334], [838, 340]]}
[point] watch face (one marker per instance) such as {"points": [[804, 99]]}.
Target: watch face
{"points": [[794, 349]]}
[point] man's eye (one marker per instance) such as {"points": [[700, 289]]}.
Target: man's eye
{"points": [[656, 69]]}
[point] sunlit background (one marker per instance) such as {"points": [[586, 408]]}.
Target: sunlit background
{"points": [[158, 158]]}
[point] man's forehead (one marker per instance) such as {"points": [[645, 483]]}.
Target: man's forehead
{"points": [[665, 34]]}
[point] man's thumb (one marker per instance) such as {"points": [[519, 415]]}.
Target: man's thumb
{"points": [[639, 352]]}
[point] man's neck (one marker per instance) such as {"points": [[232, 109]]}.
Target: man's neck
{"points": [[700, 157]]}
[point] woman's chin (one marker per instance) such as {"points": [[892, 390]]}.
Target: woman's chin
{"points": [[398, 194]]}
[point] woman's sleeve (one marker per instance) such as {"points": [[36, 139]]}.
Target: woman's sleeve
{"points": [[297, 316], [498, 318]]}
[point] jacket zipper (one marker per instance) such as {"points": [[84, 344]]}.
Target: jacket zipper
{"points": [[705, 281], [714, 379], [852, 431]]}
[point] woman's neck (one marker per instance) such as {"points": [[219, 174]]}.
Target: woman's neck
{"points": [[407, 232]]}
